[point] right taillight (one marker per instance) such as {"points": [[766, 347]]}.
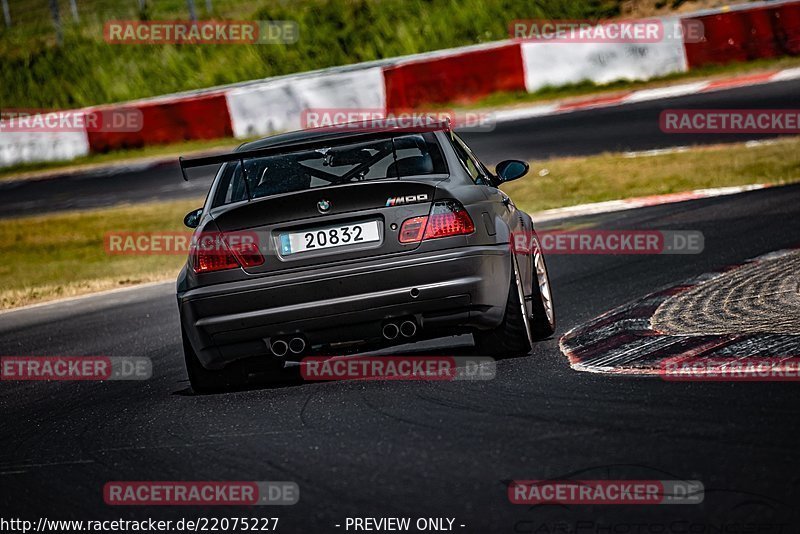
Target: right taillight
{"points": [[447, 218], [213, 251]]}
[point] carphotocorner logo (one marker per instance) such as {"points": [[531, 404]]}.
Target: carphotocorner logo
{"points": [[591, 492], [200, 493], [135, 32]]}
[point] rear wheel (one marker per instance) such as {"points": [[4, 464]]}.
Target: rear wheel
{"points": [[543, 319], [513, 337], [208, 380]]}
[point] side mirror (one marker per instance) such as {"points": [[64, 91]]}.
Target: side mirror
{"points": [[511, 169], [192, 219]]}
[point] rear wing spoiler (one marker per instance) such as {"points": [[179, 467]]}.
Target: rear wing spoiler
{"points": [[282, 148]]}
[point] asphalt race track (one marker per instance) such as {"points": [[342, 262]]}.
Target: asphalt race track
{"points": [[424, 449], [622, 128]]}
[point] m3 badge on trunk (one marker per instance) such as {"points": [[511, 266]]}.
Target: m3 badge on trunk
{"points": [[410, 199]]}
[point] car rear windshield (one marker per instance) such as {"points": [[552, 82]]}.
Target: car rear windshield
{"points": [[389, 158]]}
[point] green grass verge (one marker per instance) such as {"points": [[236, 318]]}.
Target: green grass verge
{"points": [[60, 255], [569, 181], [52, 256]]}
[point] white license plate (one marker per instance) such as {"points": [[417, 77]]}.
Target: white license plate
{"points": [[332, 236]]}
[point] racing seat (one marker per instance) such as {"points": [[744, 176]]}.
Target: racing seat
{"points": [[281, 176]]}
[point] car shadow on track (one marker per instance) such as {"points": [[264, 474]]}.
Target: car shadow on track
{"points": [[456, 346]]}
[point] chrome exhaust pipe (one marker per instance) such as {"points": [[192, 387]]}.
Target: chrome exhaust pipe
{"points": [[279, 348], [297, 345], [390, 331], [408, 328]]}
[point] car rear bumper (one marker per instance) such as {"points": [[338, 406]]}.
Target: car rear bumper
{"points": [[458, 288]]}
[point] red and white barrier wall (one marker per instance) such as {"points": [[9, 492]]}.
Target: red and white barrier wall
{"points": [[169, 121], [455, 76], [30, 147], [745, 33], [739, 33], [275, 106], [558, 64]]}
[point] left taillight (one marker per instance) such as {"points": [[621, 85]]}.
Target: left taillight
{"points": [[214, 251], [447, 218]]}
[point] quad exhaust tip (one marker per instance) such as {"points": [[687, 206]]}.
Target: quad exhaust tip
{"points": [[297, 345], [390, 331], [279, 348], [408, 328]]}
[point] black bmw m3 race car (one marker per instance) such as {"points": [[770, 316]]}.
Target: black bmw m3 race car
{"points": [[333, 240]]}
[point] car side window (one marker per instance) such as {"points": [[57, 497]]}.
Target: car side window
{"points": [[470, 162], [229, 189]]}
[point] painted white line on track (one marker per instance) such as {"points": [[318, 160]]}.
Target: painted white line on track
{"points": [[655, 152], [761, 142], [787, 74], [508, 115], [610, 206], [666, 92], [643, 95]]}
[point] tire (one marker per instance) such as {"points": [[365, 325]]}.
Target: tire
{"points": [[513, 336], [543, 318], [205, 380]]}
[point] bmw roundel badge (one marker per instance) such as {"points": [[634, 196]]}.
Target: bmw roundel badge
{"points": [[324, 205]]}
